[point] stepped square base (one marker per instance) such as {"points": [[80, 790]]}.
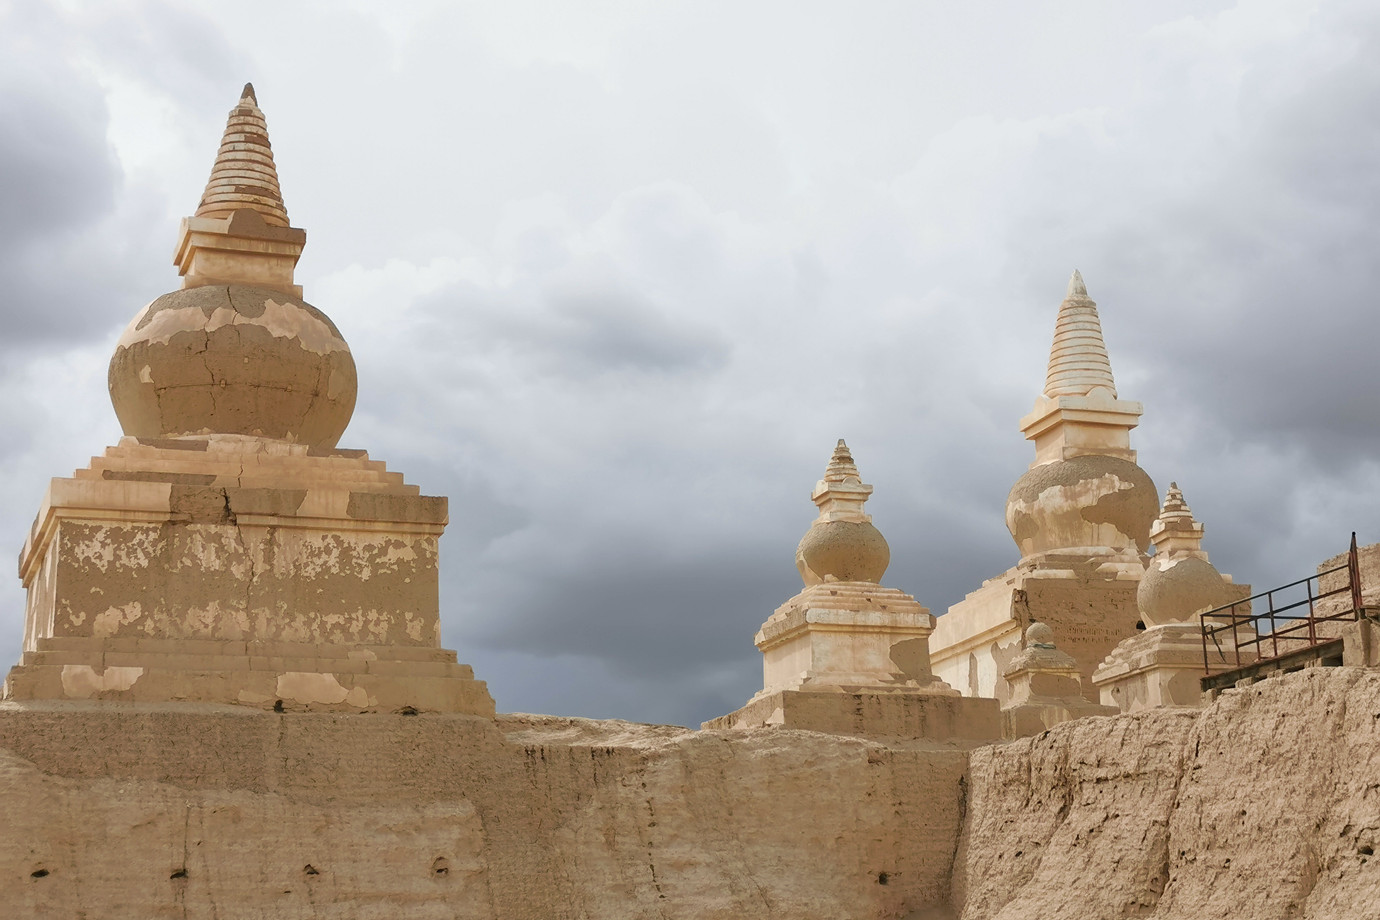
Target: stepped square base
{"points": [[848, 635], [1161, 666], [234, 569], [871, 713], [283, 676]]}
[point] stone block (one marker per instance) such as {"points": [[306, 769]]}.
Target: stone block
{"points": [[876, 714]]}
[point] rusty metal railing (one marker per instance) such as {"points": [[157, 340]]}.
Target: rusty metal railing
{"points": [[1290, 628]]}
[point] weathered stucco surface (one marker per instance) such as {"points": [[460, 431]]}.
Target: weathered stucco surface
{"points": [[231, 581], [232, 569], [118, 811], [233, 359]]}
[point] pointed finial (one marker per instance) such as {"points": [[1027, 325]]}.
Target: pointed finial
{"points": [[248, 93], [1076, 286], [841, 467], [1078, 362], [1175, 532], [1175, 508]]}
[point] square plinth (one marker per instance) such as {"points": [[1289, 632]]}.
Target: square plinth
{"points": [[239, 570]]}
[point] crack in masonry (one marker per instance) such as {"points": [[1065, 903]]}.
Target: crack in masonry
{"points": [[962, 824]]}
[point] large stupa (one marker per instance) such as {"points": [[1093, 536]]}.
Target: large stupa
{"points": [[1080, 516], [225, 550]]}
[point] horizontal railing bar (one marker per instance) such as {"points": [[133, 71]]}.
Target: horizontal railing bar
{"points": [[1291, 584]]}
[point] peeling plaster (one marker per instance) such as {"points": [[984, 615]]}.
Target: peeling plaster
{"points": [[282, 320], [313, 687], [80, 681]]}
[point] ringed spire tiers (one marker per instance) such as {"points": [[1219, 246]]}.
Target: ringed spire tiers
{"points": [[1078, 411], [240, 232], [1078, 362], [244, 174]]}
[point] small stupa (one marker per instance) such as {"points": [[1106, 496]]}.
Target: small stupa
{"points": [[1046, 688], [1180, 581], [1080, 517], [1163, 664], [225, 551], [846, 654]]}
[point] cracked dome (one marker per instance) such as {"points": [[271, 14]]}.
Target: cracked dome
{"points": [[233, 359], [1090, 502]]}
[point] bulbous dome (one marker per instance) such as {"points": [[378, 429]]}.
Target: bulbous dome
{"points": [[847, 550], [233, 359], [1085, 502], [1172, 590]]}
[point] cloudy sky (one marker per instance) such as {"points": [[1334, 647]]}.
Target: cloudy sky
{"points": [[617, 275]]}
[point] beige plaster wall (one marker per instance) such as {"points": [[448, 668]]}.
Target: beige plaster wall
{"points": [[981, 635]]}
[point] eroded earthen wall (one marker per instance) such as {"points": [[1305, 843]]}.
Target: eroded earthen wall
{"points": [[118, 812], [1264, 806]]}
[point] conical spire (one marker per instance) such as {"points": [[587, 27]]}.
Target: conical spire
{"points": [[240, 232], [244, 175], [1079, 412], [840, 495], [841, 467], [1176, 531], [1175, 508], [1078, 361]]}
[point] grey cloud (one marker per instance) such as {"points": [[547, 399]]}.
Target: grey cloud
{"points": [[630, 407]]}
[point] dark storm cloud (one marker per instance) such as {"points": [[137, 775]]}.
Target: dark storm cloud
{"points": [[657, 610]]}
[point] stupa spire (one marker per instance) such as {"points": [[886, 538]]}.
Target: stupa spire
{"points": [[1079, 412], [240, 232], [244, 174], [1176, 531], [1078, 362], [841, 467]]}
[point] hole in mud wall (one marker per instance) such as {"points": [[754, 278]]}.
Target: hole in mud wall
{"points": [[179, 873], [883, 878], [277, 705], [1364, 851], [440, 866], [309, 869], [39, 873], [407, 711]]}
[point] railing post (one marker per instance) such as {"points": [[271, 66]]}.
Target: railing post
{"points": [[1353, 565], [1202, 633], [1274, 628], [1312, 631]]}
